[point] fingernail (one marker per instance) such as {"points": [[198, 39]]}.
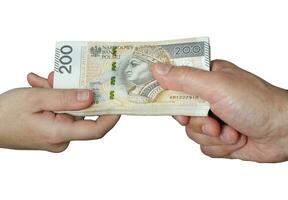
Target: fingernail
{"points": [[83, 95], [163, 69]]}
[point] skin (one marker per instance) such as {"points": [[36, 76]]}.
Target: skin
{"points": [[28, 120], [138, 72], [249, 117]]}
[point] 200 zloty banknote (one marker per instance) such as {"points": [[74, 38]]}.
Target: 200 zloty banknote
{"points": [[119, 73]]}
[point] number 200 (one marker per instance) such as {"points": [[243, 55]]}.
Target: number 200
{"points": [[65, 59]]}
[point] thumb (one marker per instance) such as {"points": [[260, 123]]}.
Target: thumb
{"points": [[60, 99], [187, 79]]}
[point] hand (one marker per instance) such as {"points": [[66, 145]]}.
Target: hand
{"points": [[27, 120], [250, 119]]}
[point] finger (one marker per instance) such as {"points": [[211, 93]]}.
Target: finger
{"points": [[59, 100], [64, 118], [206, 140], [229, 135], [204, 125], [51, 79], [37, 81], [183, 120], [190, 80], [220, 151], [207, 131], [195, 131], [221, 65], [60, 117], [89, 129]]}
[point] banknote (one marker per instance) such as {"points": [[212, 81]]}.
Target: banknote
{"points": [[119, 74]]}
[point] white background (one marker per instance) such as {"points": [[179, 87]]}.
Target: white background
{"points": [[142, 157]]}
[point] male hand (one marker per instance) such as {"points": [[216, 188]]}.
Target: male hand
{"points": [[249, 116], [28, 121]]}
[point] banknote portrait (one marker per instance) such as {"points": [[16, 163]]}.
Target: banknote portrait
{"points": [[143, 87]]}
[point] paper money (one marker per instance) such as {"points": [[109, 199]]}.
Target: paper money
{"points": [[119, 73]]}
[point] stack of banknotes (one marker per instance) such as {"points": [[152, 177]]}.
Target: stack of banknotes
{"points": [[119, 74]]}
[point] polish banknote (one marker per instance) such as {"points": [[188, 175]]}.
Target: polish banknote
{"points": [[119, 74]]}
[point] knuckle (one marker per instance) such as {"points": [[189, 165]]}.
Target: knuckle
{"points": [[53, 137], [64, 98], [205, 150], [219, 77], [213, 153], [32, 97], [57, 148], [218, 65], [218, 62], [192, 135], [101, 135]]}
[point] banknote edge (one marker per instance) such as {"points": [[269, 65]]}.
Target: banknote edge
{"points": [[159, 42]]}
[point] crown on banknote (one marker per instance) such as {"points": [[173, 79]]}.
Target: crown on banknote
{"points": [[153, 54]]}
